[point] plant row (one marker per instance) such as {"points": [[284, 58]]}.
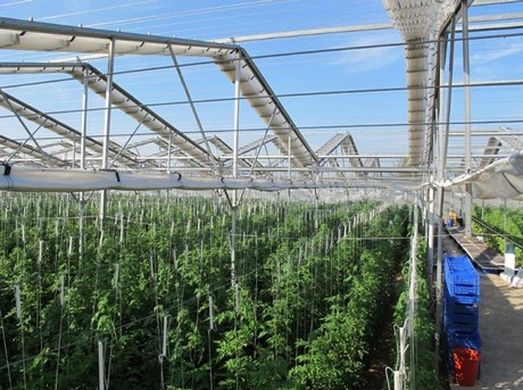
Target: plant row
{"points": [[152, 284]]}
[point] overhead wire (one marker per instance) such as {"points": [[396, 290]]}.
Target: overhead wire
{"points": [[346, 126], [286, 96], [223, 18], [15, 3], [95, 10], [206, 10]]}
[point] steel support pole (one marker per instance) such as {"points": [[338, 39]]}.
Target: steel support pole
{"points": [[169, 153], [29, 133], [107, 120], [443, 147], [73, 164], [467, 116], [430, 241], [258, 150], [85, 106], [190, 100], [108, 104], [234, 202], [126, 144], [81, 200], [236, 124]]}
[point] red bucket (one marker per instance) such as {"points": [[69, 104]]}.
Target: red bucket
{"points": [[466, 366]]}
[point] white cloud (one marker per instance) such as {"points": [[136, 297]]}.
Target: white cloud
{"points": [[370, 58], [497, 54]]}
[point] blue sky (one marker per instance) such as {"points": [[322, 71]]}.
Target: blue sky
{"points": [[374, 68]]}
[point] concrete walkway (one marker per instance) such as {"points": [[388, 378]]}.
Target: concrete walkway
{"points": [[501, 331]]}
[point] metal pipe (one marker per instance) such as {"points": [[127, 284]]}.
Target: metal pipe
{"points": [[108, 103], [124, 146], [234, 201], [85, 106], [259, 148], [467, 116], [107, 122], [356, 156], [169, 153], [443, 146], [191, 103], [236, 122]]}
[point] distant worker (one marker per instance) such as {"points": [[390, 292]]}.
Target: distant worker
{"points": [[453, 218]]}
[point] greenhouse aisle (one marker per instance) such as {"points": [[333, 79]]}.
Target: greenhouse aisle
{"points": [[501, 330]]}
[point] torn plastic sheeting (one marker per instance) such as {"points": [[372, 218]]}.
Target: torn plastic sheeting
{"points": [[501, 179]]}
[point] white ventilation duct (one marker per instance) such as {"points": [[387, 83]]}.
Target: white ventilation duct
{"points": [[419, 22]]}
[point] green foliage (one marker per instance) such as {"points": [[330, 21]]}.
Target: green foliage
{"points": [[505, 219], [426, 369], [336, 353], [308, 303]]}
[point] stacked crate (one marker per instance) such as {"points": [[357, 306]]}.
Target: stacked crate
{"points": [[461, 305]]}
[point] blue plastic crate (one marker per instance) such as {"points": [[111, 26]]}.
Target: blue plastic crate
{"points": [[458, 263], [462, 318], [461, 309], [465, 272], [461, 299], [463, 279], [462, 328], [462, 284], [461, 290], [460, 339]]}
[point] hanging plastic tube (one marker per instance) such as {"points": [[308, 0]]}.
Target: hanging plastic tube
{"points": [[40, 251], [165, 336], [101, 366], [62, 290], [23, 233], [121, 228], [116, 275], [18, 302], [70, 247], [211, 312]]}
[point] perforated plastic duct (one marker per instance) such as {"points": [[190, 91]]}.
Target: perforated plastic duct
{"points": [[16, 178], [419, 22]]}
